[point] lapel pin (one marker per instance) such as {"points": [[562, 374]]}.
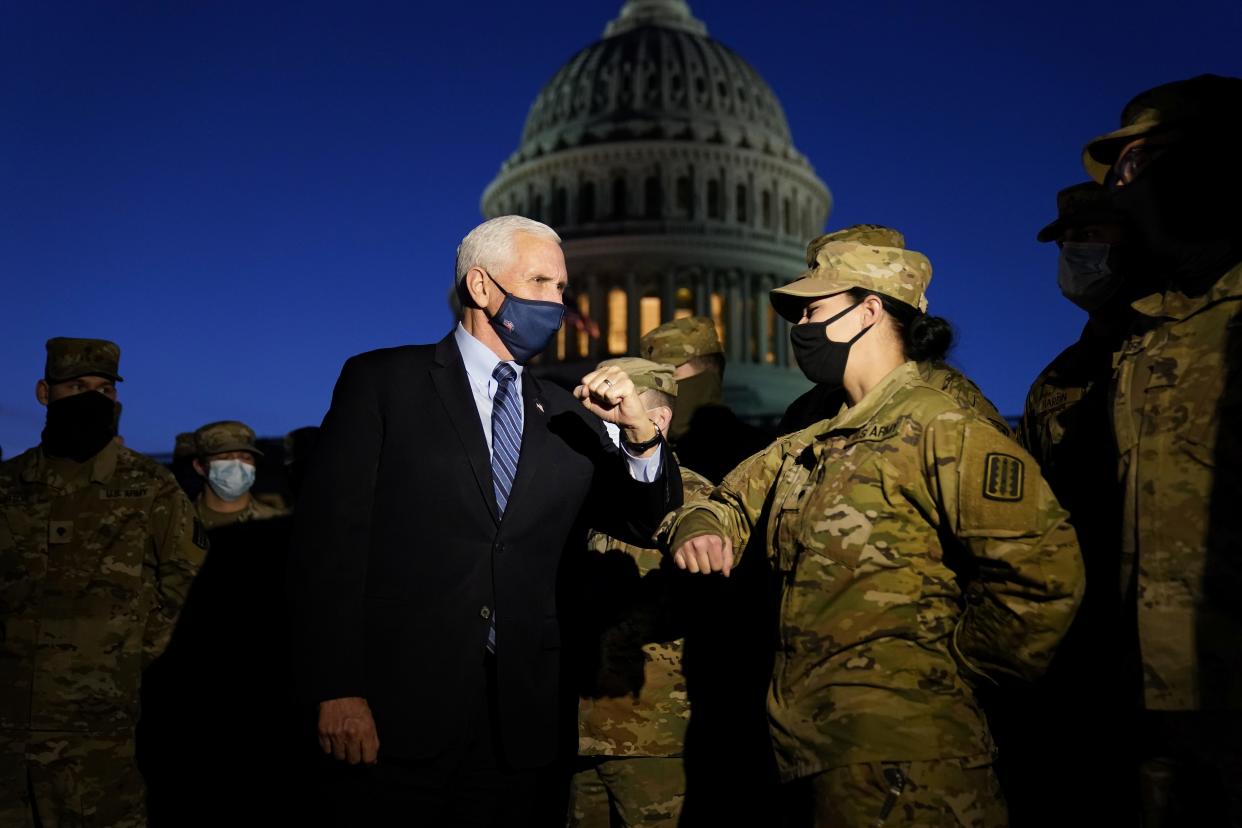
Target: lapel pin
{"points": [[539, 405]]}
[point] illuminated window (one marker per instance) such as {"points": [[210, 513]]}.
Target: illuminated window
{"points": [[584, 338], [648, 314], [718, 312], [616, 321]]}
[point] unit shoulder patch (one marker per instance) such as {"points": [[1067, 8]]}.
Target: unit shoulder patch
{"points": [[1003, 477]]}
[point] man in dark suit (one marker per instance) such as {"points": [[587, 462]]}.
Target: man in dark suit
{"points": [[446, 485]]}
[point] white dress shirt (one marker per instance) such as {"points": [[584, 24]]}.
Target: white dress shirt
{"points": [[480, 362]]}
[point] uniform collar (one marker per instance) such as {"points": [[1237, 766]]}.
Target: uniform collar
{"points": [[1173, 304], [866, 408], [102, 465]]}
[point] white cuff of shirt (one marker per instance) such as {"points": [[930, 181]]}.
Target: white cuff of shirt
{"points": [[642, 469]]}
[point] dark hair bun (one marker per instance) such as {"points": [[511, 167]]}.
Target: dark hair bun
{"points": [[928, 338]]}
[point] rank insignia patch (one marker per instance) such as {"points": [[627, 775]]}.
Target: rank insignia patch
{"points": [[1003, 477]]}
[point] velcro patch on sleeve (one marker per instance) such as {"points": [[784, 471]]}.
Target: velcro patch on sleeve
{"points": [[1004, 477], [200, 535]]}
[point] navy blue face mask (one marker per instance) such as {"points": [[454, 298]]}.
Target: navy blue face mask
{"points": [[526, 326]]}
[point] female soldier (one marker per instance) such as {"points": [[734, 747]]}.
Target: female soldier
{"points": [[921, 555]]}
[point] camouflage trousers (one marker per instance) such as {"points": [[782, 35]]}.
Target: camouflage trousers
{"points": [[70, 780], [942, 793], [628, 792]]}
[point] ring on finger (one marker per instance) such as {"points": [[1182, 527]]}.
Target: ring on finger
{"points": [[608, 382]]}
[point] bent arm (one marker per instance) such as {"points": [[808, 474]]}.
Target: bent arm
{"points": [[1026, 573]]}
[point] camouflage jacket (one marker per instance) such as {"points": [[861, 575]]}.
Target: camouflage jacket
{"points": [[1054, 408], [1177, 415], [920, 551], [94, 568], [634, 700], [255, 510], [821, 403]]}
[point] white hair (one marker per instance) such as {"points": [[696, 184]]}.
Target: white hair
{"points": [[491, 245]]}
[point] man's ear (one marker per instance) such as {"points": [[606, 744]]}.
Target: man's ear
{"points": [[199, 468], [42, 391], [476, 287], [662, 416]]}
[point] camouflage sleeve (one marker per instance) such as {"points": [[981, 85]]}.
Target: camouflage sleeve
{"points": [[176, 549], [1022, 574], [1028, 430], [730, 509]]}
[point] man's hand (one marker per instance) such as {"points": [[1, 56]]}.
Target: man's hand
{"points": [[705, 554], [610, 395], [347, 731]]}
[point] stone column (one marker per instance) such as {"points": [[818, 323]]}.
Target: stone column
{"points": [[596, 348], [736, 324], [633, 296], [700, 284], [760, 297], [783, 356], [668, 294]]}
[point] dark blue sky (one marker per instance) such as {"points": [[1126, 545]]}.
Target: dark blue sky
{"points": [[242, 194]]}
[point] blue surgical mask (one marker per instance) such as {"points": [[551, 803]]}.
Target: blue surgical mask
{"points": [[526, 326], [1084, 274], [230, 479]]}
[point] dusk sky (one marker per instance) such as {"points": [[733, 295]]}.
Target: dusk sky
{"points": [[243, 194]]}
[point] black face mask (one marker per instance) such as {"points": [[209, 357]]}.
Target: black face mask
{"points": [[1183, 213], [79, 427], [821, 359], [692, 394]]}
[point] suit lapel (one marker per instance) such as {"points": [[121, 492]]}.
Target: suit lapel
{"points": [[534, 435], [449, 377]]}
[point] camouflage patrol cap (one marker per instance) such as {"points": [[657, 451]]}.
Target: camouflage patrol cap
{"points": [[1203, 103], [69, 358], [657, 376], [675, 343], [185, 445], [841, 265], [1085, 203], [876, 234], [226, 435]]}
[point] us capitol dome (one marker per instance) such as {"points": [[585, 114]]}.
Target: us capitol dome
{"points": [[665, 162]]}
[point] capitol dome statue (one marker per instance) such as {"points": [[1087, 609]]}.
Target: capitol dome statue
{"points": [[665, 162]]}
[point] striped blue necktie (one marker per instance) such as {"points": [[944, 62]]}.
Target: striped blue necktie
{"points": [[506, 443]]}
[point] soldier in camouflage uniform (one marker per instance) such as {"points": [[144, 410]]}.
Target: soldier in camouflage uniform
{"points": [[1177, 417], [921, 554], [821, 403], [727, 659], [1062, 738], [98, 547], [226, 461], [185, 447], [633, 708], [707, 436]]}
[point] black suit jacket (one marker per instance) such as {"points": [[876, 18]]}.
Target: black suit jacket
{"points": [[401, 556]]}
